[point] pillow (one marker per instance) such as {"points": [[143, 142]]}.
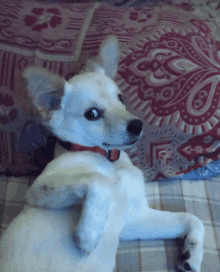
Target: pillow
{"points": [[168, 72]]}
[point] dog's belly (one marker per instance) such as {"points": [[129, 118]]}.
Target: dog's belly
{"points": [[41, 241]]}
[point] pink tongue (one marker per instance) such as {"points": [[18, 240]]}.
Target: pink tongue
{"points": [[113, 155]]}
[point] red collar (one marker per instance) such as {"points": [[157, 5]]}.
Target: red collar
{"points": [[112, 155]]}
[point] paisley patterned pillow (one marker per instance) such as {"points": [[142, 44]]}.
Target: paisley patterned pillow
{"points": [[170, 74]]}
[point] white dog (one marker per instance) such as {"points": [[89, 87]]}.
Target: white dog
{"points": [[83, 203]]}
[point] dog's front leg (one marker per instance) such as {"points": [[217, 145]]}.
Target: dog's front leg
{"points": [[93, 218], [92, 188], [168, 225]]}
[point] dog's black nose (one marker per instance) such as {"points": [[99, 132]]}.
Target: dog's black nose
{"points": [[135, 127]]}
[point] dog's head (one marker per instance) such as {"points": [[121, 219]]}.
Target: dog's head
{"points": [[88, 109]]}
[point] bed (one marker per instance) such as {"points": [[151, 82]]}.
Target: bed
{"points": [[169, 73]]}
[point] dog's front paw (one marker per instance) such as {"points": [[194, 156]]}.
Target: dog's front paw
{"points": [[191, 250], [86, 242]]}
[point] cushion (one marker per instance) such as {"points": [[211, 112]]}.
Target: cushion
{"points": [[168, 72]]}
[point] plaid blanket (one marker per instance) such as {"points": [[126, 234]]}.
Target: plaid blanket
{"points": [[200, 198]]}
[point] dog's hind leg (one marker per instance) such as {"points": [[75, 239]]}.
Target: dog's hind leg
{"points": [[161, 225]]}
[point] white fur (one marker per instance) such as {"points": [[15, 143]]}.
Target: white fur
{"points": [[50, 234]]}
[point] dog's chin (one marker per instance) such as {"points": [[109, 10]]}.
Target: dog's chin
{"points": [[120, 146]]}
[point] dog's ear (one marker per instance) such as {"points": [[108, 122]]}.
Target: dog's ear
{"points": [[45, 88], [107, 58]]}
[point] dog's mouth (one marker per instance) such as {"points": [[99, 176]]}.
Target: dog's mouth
{"points": [[126, 144]]}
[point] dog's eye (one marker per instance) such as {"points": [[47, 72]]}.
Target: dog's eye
{"points": [[120, 97], [93, 114]]}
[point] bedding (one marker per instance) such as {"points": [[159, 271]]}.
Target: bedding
{"points": [[199, 197], [167, 44], [168, 73]]}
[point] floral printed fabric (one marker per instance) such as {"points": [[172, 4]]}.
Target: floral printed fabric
{"points": [[33, 34], [43, 18]]}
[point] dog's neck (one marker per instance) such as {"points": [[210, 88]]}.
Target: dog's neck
{"points": [[112, 155]]}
